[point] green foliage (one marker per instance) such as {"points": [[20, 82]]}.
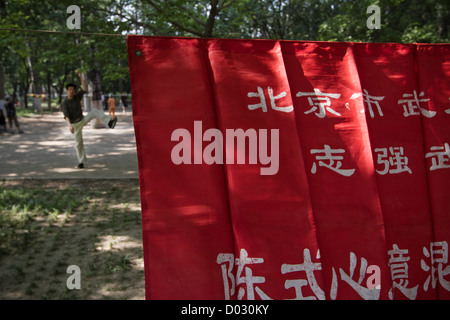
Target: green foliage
{"points": [[58, 56]]}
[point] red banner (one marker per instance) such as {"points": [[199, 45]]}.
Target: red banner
{"points": [[270, 205], [292, 170], [433, 101], [388, 79], [185, 216], [334, 136]]}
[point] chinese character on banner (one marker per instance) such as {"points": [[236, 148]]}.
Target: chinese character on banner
{"points": [[440, 157], [438, 254], [395, 162], [244, 275], [363, 292], [263, 105], [224, 259], [320, 101], [398, 263], [412, 103], [330, 156], [372, 101], [308, 267]]}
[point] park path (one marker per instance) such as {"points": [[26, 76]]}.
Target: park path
{"points": [[46, 150]]}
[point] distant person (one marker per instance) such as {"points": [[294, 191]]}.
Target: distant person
{"points": [[73, 114], [112, 106], [124, 102], [102, 103], [2, 119], [105, 101], [11, 113]]}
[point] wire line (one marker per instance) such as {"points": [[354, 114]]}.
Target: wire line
{"points": [[66, 32]]}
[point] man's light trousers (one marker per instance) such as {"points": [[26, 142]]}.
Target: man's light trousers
{"points": [[78, 131]]}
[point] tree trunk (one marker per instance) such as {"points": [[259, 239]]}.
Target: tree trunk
{"points": [[443, 16], [2, 83], [35, 85], [23, 94], [49, 91], [60, 86], [94, 86], [211, 19], [24, 86]]}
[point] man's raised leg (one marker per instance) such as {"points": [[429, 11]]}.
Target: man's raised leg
{"points": [[96, 113]]}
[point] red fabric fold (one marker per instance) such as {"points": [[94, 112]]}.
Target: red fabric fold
{"points": [[185, 217], [270, 211], [334, 135], [387, 73], [433, 69], [292, 169]]}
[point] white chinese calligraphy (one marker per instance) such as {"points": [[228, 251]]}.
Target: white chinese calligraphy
{"points": [[244, 275], [223, 259], [262, 100], [238, 272], [363, 292], [330, 156], [320, 101], [438, 254], [372, 101], [440, 157], [412, 102], [398, 264], [395, 162], [308, 267]]}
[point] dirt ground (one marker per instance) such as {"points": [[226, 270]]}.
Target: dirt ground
{"points": [[102, 235], [46, 150]]}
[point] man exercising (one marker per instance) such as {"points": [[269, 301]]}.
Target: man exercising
{"points": [[73, 114]]}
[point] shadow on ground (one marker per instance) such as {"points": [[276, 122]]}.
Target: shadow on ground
{"points": [[53, 215], [46, 150], [100, 233]]}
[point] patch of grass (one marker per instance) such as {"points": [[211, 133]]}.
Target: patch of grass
{"points": [[45, 226], [20, 206], [30, 112], [118, 263]]}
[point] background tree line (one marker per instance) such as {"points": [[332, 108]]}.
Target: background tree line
{"points": [[41, 62]]}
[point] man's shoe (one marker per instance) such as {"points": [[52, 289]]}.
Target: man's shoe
{"points": [[80, 166], [112, 123]]}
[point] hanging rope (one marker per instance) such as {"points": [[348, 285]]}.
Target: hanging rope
{"points": [[66, 32]]}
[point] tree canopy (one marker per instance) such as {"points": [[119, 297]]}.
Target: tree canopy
{"points": [[31, 61]]}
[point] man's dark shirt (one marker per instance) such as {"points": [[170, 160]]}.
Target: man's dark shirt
{"points": [[72, 108], [10, 109]]}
